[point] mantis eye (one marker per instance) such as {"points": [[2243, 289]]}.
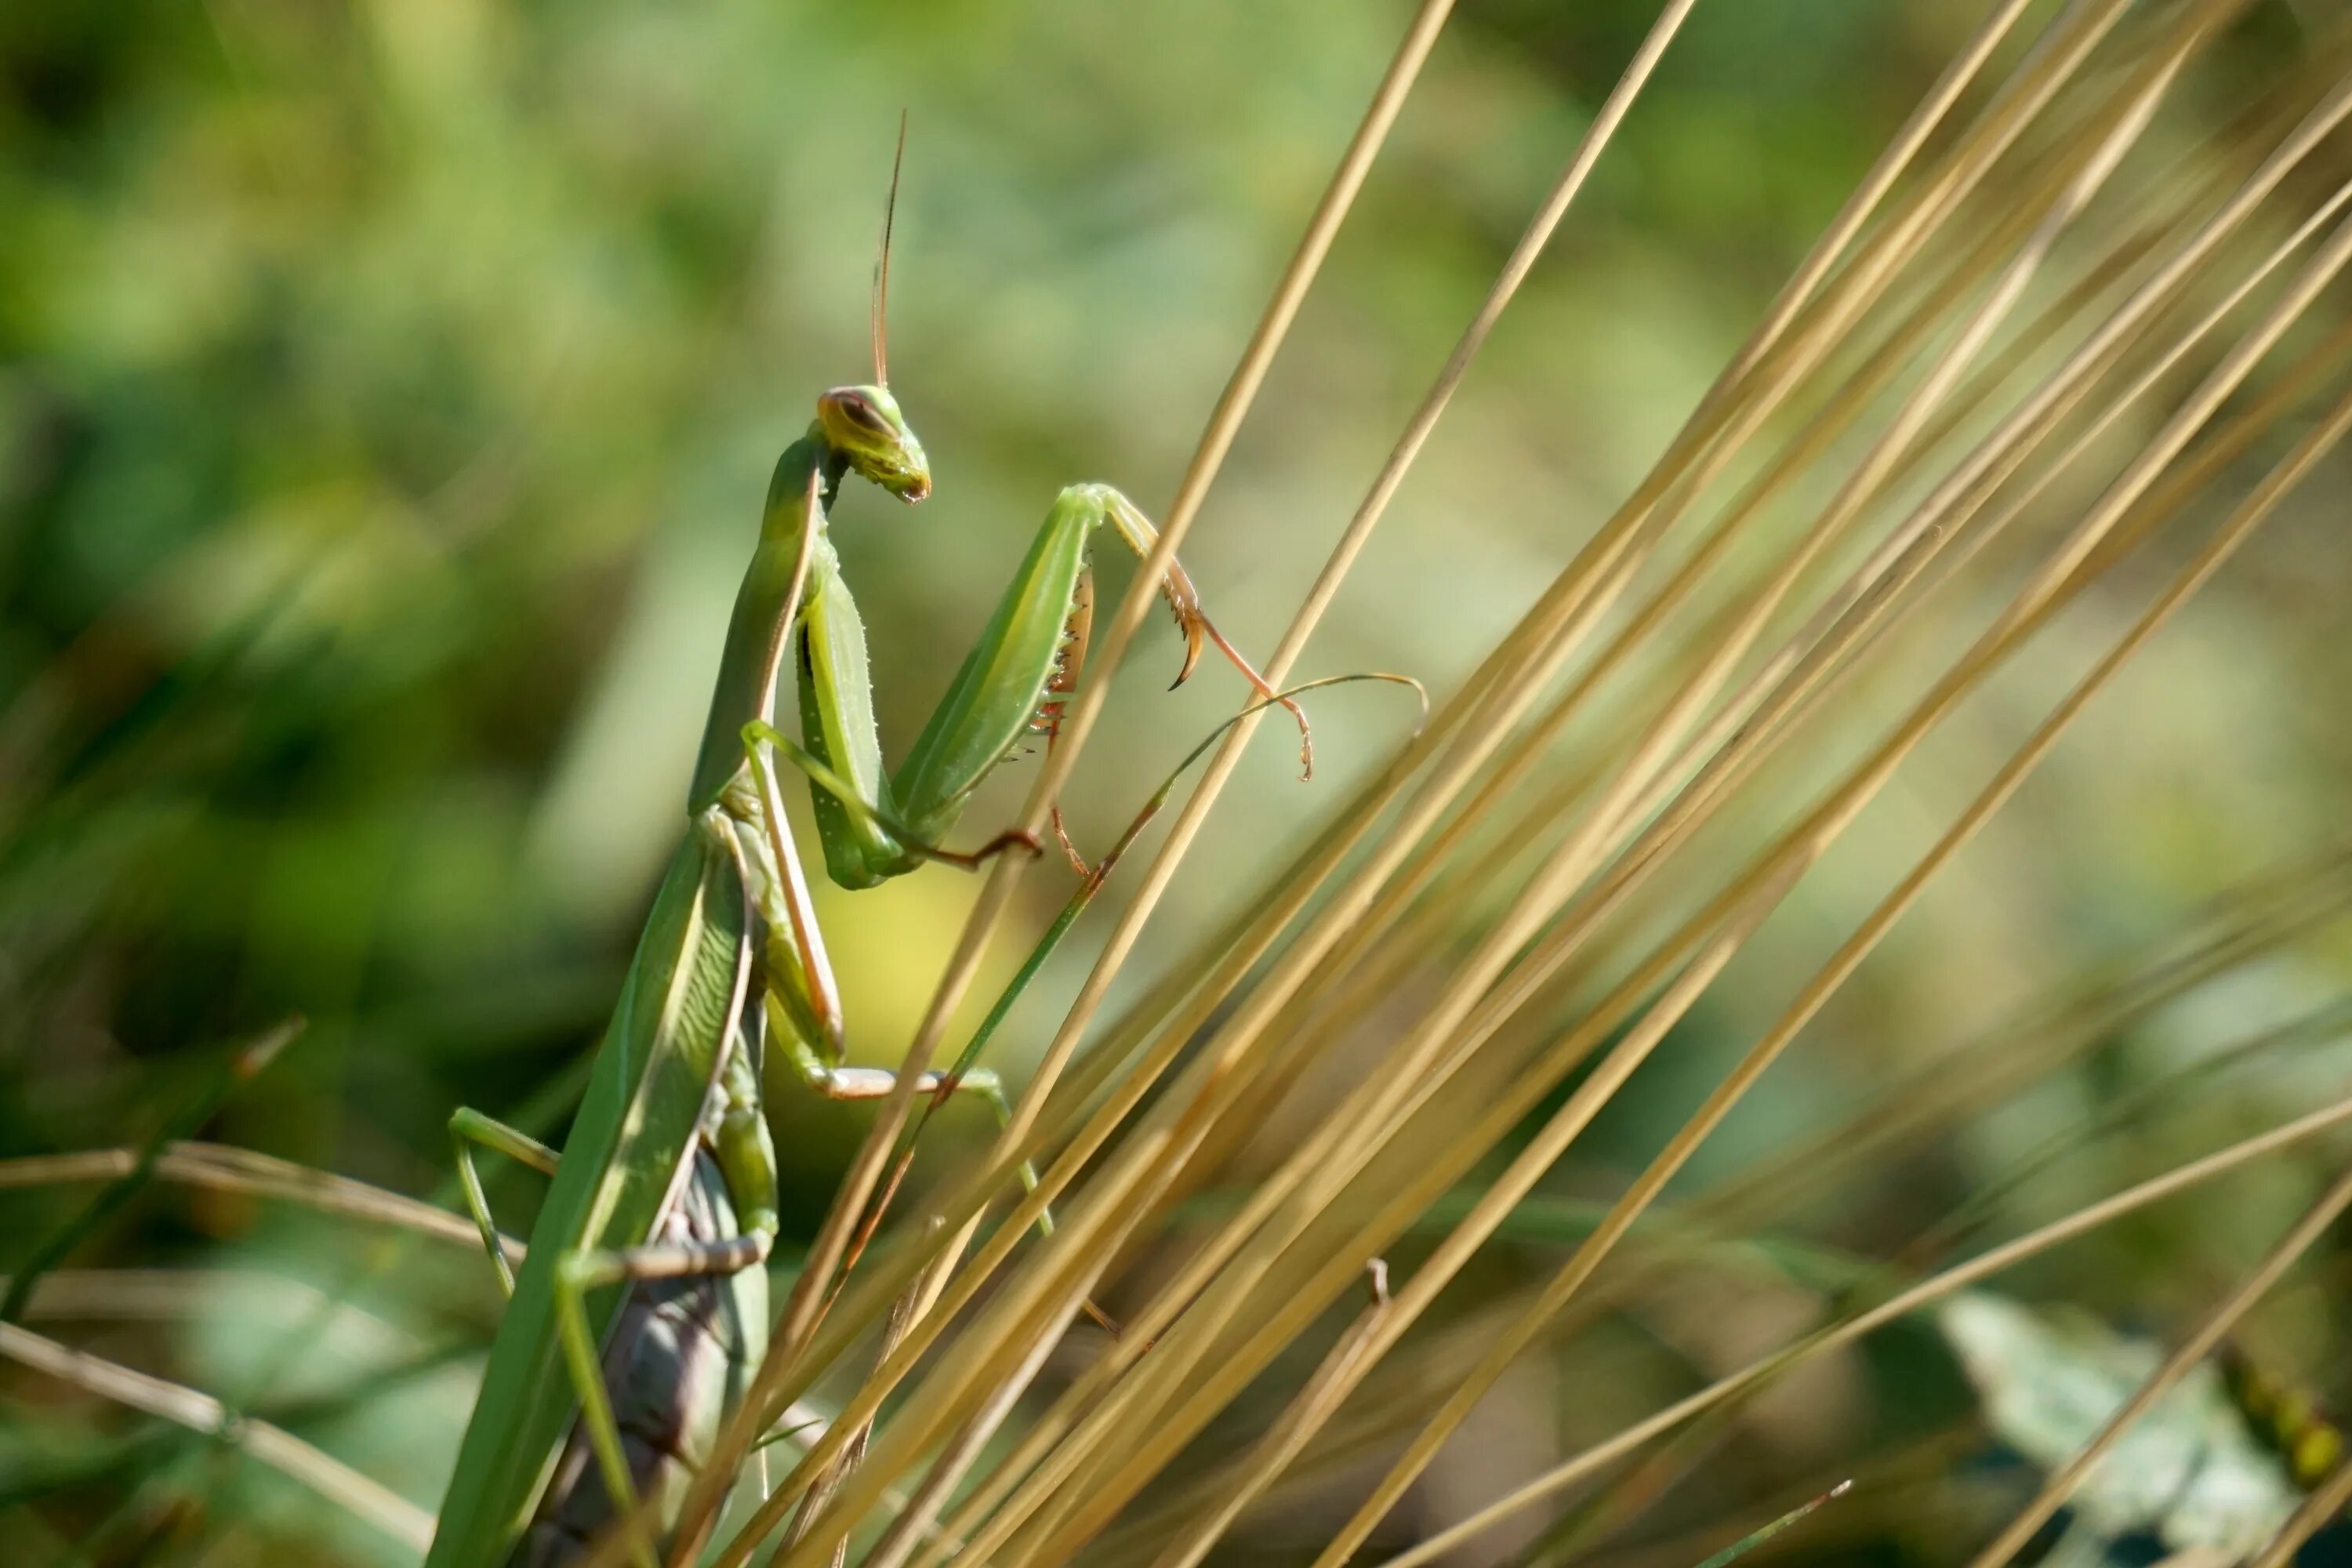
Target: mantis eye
{"points": [[863, 415]]}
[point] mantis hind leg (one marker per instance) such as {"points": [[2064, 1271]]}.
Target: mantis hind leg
{"points": [[469, 1128]]}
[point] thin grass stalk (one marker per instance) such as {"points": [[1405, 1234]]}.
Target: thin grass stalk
{"points": [[2063, 1482], [1525, 749], [2180, 186], [1274, 1452], [1515, 929], [1506, 1348], [1374, 955], [2023, 615], [1291, 1305], [2327, 1501], [2250, 923], [2266, 422], [1820, 667], [1797, 291], [1380, 974], [2072, 380], [1835, 656], [1929, 522], [219, 1167], [1880, 573], [1927, 1292], [1706, 426], [1289, 1315], [275, 1446], [1872, 191], [1671, 471], [1394, 469], [907, 1307], [1513, 272], [947, 1470], [1528, 749], [1860, 284], [798, 1321], [1368, 515]]}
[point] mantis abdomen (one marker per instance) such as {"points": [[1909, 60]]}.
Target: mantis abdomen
{"points": [[678, 1360]]}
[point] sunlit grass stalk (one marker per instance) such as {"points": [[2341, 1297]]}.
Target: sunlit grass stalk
{"points": [[1937, 1288], [1500, 946], [1728, 1091], [1545, 833], [1949, 1087], [2046, 589], [2200, 1344], [803, 1309], [1074, 1240]]}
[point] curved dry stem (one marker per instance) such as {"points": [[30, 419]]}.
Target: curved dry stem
{"points": [[273, 1446], [220, 1167]]}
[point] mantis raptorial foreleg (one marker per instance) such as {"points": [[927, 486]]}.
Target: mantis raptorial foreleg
{"points": [[469, 1128], [1013, 684]]}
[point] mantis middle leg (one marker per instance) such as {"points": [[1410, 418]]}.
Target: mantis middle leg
{"points": [[802, 998], [469, 1128]]}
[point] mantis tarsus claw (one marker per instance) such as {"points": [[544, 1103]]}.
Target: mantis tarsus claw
{"points": [[971, 860]]}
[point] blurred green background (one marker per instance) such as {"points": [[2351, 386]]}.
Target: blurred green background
{"points": [[389, 390]]}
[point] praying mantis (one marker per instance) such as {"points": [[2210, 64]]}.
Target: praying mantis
{"points": [[640, 1304]]}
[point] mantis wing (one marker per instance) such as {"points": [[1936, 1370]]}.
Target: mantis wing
{"points": [[621, 1170]]}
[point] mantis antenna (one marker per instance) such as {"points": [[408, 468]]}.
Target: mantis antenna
{"points": [[882, 265]]}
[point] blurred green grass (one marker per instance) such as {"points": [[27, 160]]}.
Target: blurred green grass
{"points": [[386, 394]]}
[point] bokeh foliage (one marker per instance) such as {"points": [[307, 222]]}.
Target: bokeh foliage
{"points": [[388, 392]]}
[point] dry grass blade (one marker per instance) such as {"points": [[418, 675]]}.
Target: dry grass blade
{"points": [[801, 1311], [1927, 1292], [272, 1446], [1743, 1077], [1073, 1240], [1596, 895], [2329, 1499], [220, 1167], [2193, 1349]]}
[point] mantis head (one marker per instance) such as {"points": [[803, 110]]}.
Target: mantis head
{"points": [[863, 424]]}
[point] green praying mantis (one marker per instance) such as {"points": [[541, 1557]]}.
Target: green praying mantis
{"points": [[642, 1304]]}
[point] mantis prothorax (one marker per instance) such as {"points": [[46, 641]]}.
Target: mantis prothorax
{"points": [[642, 1300]]}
